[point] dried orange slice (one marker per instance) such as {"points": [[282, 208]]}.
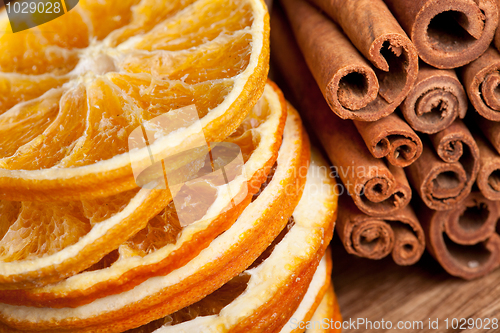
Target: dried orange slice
{"points": [[164, 245], [226, 256], [42, 243], [212, 312], [282, 282], [311, 303], [106, 67], [327, 317]]}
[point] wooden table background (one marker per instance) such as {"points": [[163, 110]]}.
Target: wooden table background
{"points": [[380, 289]]}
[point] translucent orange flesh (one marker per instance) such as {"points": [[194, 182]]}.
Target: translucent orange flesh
{"points": [[163, 229], [108, 15], [30, 230], [188, 53], [62, 107], [39, 231], [17, 88]]}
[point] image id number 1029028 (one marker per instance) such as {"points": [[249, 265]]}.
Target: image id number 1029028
{"points": [[27, 14], [32, 7], [471, 323]]}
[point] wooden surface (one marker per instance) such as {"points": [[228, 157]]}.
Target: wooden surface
{"points": [[380, 289]]}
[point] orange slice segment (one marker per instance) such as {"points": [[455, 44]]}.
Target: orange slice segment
{"points": [[181, 32], [226, 256], [18, 88], [62, 227], [113, 120], [192, 67], [39, 113], [43, 243], [112, 74], [71, 31], [107, 16], [42, 151], [164, 245], [146, 15]]}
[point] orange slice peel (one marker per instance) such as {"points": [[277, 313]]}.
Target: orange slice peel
{"points": [[163, 245], [287, 281], [228, 255], [117, 79]]}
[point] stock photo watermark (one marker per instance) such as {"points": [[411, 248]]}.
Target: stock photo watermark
{"points": [[402, 325], [206, 178]]}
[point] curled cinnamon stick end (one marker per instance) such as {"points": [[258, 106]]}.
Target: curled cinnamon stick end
{"points": [[398, 233], [391, 137], [436, 100], [482, 80], [443, 176], [448, 33], [463, 240], [352, 88], [375, 188], [488, 178], [375, 32]]}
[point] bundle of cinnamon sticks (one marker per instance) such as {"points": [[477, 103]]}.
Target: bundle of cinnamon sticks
{"points": [[385, 86]]}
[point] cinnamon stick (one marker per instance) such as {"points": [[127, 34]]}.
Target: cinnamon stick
{"points": [[436, 100], [391, 137], [488, 178], [481, 80], [497, 38], [463, 240], [376, 188], [398, 233], [448, 33], [351, 86], [375, 32], [491, 130], [443, 176]]}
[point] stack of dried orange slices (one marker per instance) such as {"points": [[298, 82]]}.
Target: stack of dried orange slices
{"points": [[124, 204]]}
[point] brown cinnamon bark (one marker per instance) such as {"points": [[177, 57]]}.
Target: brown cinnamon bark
{"points": [[491, 130], [463, 240], [391, 137], [398, 233], [269, 4], [447, 33], [436, 100], [375, 32], [481, 80], [443, 176], [376, 189], [497, 37], [488, 178], [351, 86]]}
